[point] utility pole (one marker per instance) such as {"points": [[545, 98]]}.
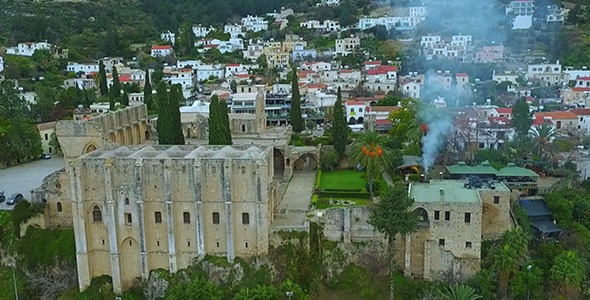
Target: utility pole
{"points": [[14, 277]]}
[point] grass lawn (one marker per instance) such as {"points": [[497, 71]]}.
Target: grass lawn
{"points": [[345, 179]]}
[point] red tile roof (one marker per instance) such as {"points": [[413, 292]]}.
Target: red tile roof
{"points": [[539, 122], [233, 65], [383, 108], [377, 62], [499, 119], [224, 95], [583, 78], [345, 71], [382, 122], [211, 46], [581, 111], [376, 72], [316, 86], [461, 75], [504, 110], [581, 89], [350, 102], [125, 78], [186, 70], [387, 68], [161, 47], [365, 99], [243, 75], [556, 115], [530, 99]]}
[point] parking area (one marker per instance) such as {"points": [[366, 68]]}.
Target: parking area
{"points": [[26, 177]]}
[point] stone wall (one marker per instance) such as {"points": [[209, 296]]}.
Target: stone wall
{"points": [[496, 216], [348, 225], [55, 192]]}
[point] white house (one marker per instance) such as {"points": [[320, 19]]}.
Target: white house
{"points": [[253, 52], [204, 72], [428, 41], [234, 69], [162, 51], [45, 131], [522, 13], [321, 99], [548, 74], [355, 112], [168, 37], [583, 82], [188, 64], [1, 63], [501, 112], [583, 115], [234, 30], [184, 77], [327, 25], [27, 49], [207, 42], [329, 3], [506, 76], [461, 40], [411, 89], [316, 66], [82, 68], [136, 98], [202, 31], [299, 53], [556, 14], [254, 23], [347, 45], [575, 74]]}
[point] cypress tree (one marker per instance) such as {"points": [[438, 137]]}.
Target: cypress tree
{"points": [[147, 91], [339, 127], [164, 121], [214, 132], [295, 113], [224, 122], [174, 99], [125, 98], [116, 88], [104, 89], [111, 102]]}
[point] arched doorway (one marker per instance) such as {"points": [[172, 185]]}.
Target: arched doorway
{"points": [[306, 162], [360, 120], [147, 135], [279, 163], [89, 148], [112, 137], [352, 120], [130, 257]]}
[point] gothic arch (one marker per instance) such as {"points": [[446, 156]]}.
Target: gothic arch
{"points": [[305, 162], [131, 257], [89, 148]]}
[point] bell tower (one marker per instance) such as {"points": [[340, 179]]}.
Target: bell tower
{"points": [[260, 106]]}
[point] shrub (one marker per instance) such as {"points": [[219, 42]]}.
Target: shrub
{"points": [[345, 195], [329, 158], [562, 172], [23, 211], [414, 177], [314, 200], [56, 243], [324, 140], [296, 140], [318, 179]]}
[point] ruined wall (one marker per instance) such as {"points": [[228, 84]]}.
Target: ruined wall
{"points": [[348, 225], [496, 212]]}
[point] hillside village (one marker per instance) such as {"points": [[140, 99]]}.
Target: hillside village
{"points": [[328, 149]]}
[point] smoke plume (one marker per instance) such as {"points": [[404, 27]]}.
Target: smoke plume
{"points": [[439, 123]]}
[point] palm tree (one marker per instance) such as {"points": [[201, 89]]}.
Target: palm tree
{"points": [[518, 240], [370, 151], [542, 137], [459, 292], [568, 270], [505, 261], [298, 292], [265, 292], [245, 294]]}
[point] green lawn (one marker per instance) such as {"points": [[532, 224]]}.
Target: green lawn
{"points": [[345, 179]]}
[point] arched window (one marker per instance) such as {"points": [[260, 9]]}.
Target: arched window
{"points": [[126, 201], [187, 217], [59, 208], [215, 218], [352, 110], [96, 214], [243, 128], [158, 217], [245, 218]]}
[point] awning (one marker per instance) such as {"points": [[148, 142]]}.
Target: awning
{"points": [[546, 226]]}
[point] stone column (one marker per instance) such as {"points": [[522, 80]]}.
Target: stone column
{"points": [[111, 223], [408, 256], [428, 246], [227, 198], [346, 227], [145, 271], [169, 215], [262, 218], [196, 183], [79, 217]]}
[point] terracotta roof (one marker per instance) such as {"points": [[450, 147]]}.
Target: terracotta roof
{"points": [[530, 99], [578, 89], [186, 70], [539, 122], [345, 71], [161, 47], [233, 65], [316, 86], [124, 78], [350, 102], [583, 78], [312, 63], [211, 46], [387, 68], [383, 108], [376, 72], [556, 115], [581, 111], [499, 119], [224, 95], [382, 122], [461, 75], [365, 99], [504, 110], [243, 75], [46, 126], [304, 73], [377, 62]]}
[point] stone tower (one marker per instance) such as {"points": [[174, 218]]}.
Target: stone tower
{"points": [[260, 113]]}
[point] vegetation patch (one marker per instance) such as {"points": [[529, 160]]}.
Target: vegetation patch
{"points": [[343, 180], [23, 211], [220, 261]]}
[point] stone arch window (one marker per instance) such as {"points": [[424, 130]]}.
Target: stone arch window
{"points": [[96, 214], [59, 208], [186, 216], [245, 218], [215, 218], [422, 215], [158, 217], [243, 127], [126, 201]]}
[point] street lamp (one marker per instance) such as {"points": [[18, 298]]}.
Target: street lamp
{"points": [[289, 294], [528, 295], [14, 277]]}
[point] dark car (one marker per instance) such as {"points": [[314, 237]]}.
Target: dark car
{"points": [[14, 198], [2, 197], [46, 156]]}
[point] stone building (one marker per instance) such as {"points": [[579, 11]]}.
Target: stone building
{"points": [[453, 221], [137, 209]]}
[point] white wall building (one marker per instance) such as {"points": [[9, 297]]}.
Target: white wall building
{"points": [[253, 52], [1, 63], [206, 71], [428, 41], [461, 40], [355, 112], [82, 68], [168, 37], [234, 30], [522, 13], [411, 89], [27, 49], [184, 77], [346, 45], [549, 74], [162, 51], [329, 3], [327, 25], [254, 23], [188, 64], [202, 31]]}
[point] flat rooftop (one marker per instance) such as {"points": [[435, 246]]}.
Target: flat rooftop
{"points": [[179, 152], [454, 191]]}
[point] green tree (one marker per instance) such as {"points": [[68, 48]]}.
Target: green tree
{"points": [[298, 292], [102, 76], [522, 118], [459, 292], [339, 127], [568, 271], [527, 281], [219, 130], [392, 216], [116, 87], [147, 91], [245, 294], [295, 113], [542, 136], [125, 98], [164, 122], [265, 292], [505, 260], [174, 99], [112, 106]]}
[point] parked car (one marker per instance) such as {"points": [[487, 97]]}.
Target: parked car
{"points": [[46, 156], [2, 197], [14, 198]]}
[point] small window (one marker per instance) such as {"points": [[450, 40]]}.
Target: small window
{"points": [[158, 217], [447, 215], [46, 137], [158, 243], [59, 208], [441, 242], [128, 219], [352, 110], [103, 242], [468, 245], [243, 170], [245, 218], [96, 215], [246, 244], [188, 243], [186, 216], [467, 217], [496, 199], [360, 110], [436, 215], [126, 201], [216, 218], [217, 244]]}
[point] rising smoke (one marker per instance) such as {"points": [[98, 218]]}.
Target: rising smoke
{"points": [[439, 123]]}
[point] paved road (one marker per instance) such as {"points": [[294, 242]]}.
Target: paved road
{"points": [[23, 178], [297, 199]]}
